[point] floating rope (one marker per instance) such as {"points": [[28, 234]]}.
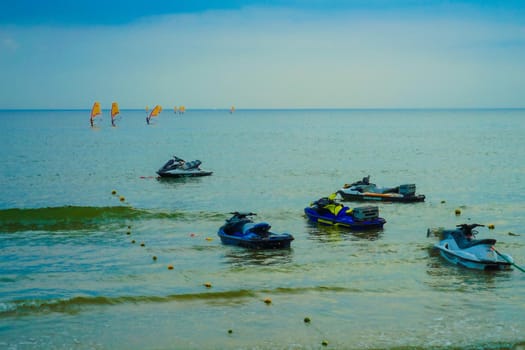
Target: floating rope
{"points": [[507, 260]]}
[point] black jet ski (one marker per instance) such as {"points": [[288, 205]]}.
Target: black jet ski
{"points": [[178, 167], [240, 230], [364, 190]]}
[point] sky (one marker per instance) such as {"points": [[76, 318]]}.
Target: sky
{"points": [[66, 54]]}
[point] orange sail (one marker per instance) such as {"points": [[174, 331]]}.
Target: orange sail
{"points": [[114, 110], [155, 111], [95, 110]]}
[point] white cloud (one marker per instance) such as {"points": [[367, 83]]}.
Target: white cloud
{"points": [[257, 58]]}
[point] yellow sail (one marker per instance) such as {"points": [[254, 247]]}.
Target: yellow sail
{"points": [[114, 110], [95, 110], [147, 109], [155, 111], [182, 109], [232, 109]]}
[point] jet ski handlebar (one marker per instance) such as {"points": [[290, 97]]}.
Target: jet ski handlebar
{"points": [[469, 228]]}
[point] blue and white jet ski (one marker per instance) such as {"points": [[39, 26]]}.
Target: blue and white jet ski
{"points": [[177, 167], [460, 247], [240, 230]]}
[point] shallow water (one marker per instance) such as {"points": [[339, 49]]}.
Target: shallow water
{"points": [[72, 278]]}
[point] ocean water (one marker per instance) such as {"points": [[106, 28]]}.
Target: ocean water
{"points": [[72, 278]]}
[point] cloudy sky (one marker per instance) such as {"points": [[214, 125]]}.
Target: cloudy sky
{"points": [[262, 54]]}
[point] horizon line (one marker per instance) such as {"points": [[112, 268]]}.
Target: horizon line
{"points": [[277, 108]]}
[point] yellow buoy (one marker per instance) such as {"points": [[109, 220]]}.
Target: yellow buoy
{"points": [[207, 285], [230, 331], [133, 241], [122, 199], [209, 239], [491, 226], [113, 192], [325, 343], [307, 320], [267, 301], [458, 212], [170, 267], [154, 258], [142, 244]]}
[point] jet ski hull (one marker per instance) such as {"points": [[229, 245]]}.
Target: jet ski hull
{"points": [[182, 173], [272, 241], [470, 261], [343, 220], [383, 197]]}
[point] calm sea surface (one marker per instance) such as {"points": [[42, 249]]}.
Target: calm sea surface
{"points": [[72, 278]]}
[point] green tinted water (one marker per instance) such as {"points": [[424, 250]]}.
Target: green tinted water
{"points": [[72, 278]]}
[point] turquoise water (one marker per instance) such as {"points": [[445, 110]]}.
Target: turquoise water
{"points": [[72, 278]]}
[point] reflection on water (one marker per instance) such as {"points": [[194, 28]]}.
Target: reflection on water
{"points": [[178, 181], [329, 233], [241, 257]]}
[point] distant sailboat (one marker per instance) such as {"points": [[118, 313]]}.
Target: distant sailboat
{"points": [[114, 112], [154, 112], [175, 109], [182, 109], [94, 112], [232, 109]]}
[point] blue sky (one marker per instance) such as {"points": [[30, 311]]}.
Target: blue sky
{"points": [[262, 54]]}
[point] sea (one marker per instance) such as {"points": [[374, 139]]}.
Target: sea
{"points": [[98, 253]]}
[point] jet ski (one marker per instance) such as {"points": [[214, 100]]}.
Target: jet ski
{"points": [[460, 247], [177, 167], [327, 211], [240, 230], [364, 190]]}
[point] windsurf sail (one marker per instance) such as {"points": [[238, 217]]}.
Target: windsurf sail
{"points": [[182, 109], [95, 111], [155, 111], [175, 109], [232, 109], [114, 112]]}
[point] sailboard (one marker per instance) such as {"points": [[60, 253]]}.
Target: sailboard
{"points": [[154, 113], [114, 112], [95, 110]]}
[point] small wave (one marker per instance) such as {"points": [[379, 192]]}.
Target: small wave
{"points": [[76, 217], [77, 304]]}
